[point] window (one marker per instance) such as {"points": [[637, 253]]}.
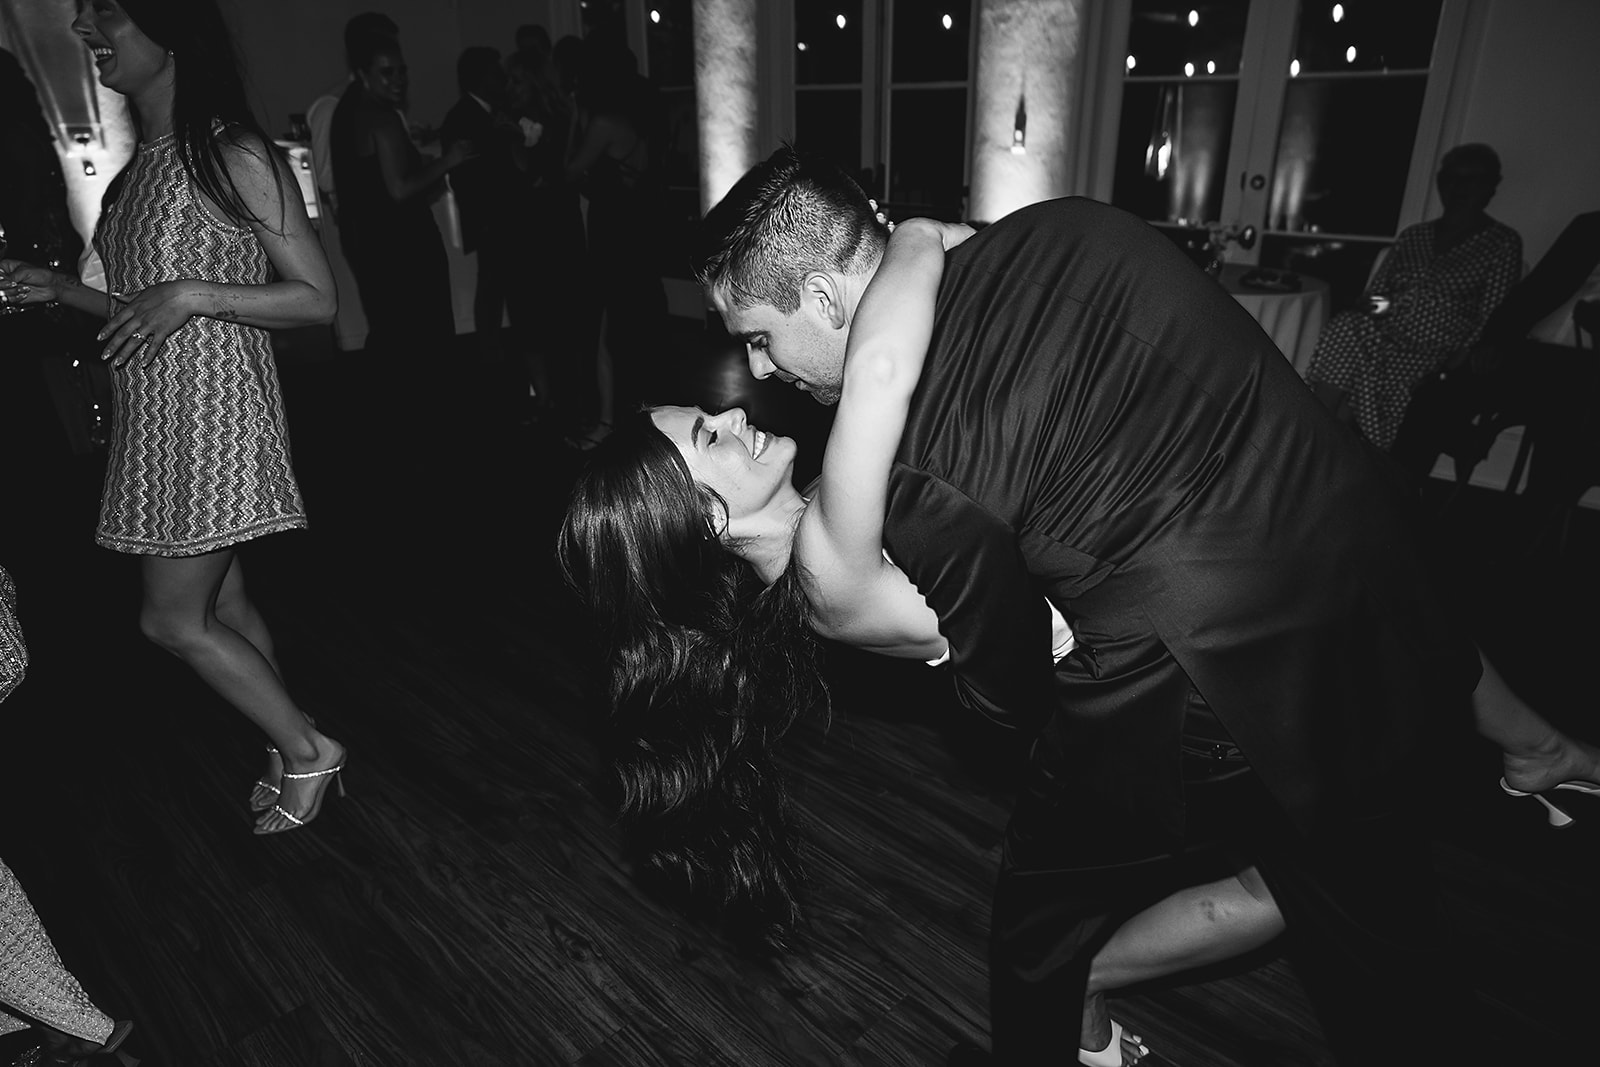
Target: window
{"points": [[1301, 120], [884, 88]]}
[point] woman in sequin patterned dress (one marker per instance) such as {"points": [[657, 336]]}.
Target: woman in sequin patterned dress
{"points": [[206, 247], [34, 983]]}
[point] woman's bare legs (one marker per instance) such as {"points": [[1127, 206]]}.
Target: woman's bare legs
{"points": [[1537, 756], [238, 612], [1193, 927], [183, 609]]}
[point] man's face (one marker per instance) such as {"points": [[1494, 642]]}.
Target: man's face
{"points": [[805, 349]]}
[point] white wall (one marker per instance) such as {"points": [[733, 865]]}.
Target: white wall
{"points": [[1532, 94]]}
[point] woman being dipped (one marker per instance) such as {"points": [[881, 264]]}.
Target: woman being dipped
{"points": [[708, 572], [206, 247]]}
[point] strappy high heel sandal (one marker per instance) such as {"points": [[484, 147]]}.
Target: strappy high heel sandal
{"points": [[1557, 816], [297, 821], [262, 783]]}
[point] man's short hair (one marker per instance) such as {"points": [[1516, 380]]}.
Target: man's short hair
{"points": [[360, 32], [792, 213]]}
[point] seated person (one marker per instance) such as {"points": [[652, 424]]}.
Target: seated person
{"points": [[1426, 303], [1500, 381]]}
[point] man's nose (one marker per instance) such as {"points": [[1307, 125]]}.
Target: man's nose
{"points": [[760, 365]]}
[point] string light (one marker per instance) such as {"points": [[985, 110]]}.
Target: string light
{"points": [[655, 16], [839, 22], [1194, 17], [1338, 12], [1211, 66], [948, 22], [1132, 62], [1294, 69], [1350, 54], [800, 45], [1188, 70]]}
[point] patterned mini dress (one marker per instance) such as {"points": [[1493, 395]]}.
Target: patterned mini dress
{"points": [[200, 444]]}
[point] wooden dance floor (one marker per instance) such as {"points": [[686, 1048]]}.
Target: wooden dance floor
{"points": [[469, 902]]}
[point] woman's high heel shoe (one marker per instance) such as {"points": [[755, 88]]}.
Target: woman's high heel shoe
{"points": [[1111, 1055], [298, 821], [1556, 815], [262, 783]]}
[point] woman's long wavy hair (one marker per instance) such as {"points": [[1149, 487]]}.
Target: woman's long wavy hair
{"points": [[705, 672], [208, 91]]}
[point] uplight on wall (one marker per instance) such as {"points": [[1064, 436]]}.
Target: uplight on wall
{"points": [[1019, 128]]}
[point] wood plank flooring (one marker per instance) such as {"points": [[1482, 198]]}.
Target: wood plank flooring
{"points": [[468, 903]]}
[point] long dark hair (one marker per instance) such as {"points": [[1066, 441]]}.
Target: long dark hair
{"points": [[208, 90], [705, 671]]}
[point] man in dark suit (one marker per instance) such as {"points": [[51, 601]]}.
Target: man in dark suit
{"points": [[1260, 672], [485, 189]]}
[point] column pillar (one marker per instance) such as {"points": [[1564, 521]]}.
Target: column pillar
{"points": [[1029, 90], [727, 93]]}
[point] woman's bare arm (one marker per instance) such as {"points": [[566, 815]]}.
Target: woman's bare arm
{"points": [[859, 597], [402, 179], [301, 294]]}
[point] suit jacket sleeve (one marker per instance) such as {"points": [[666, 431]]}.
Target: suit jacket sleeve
{"points": [[967, 564]]}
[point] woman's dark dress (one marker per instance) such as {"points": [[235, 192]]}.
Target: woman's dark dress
{"points": [[394, 250]]}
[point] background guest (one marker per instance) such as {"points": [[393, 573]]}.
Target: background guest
{"points": [[319, 114], [386, 226], [1428, 301], [37, 378], [614, 160], [547, 224], [486, 191]]}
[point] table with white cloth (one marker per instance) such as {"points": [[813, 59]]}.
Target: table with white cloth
{"points": [[1292, 319]]}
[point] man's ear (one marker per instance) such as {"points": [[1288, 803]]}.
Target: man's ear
{"points": [[820, 294]]}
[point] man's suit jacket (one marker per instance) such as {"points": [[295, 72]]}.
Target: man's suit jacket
{"points": [[1101, 422], [485, 185]]}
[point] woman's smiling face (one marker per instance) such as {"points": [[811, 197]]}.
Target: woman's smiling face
{"points": [[126, 58], [747, 467]]}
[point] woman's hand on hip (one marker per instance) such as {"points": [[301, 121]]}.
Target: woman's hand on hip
{"points": [[141, 323]]}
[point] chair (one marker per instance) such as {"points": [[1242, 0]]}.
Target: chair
{"points": [[1564, 434], [1460, 411]]}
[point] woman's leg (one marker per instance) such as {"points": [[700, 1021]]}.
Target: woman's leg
{"points": [[1194, 927], [1537, 756], [238, 612], [180, 614]]}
